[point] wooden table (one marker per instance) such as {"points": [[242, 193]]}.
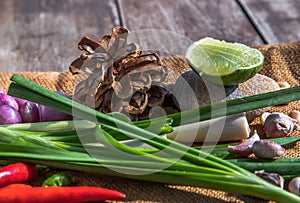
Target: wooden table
{"points": [[42, 35]]}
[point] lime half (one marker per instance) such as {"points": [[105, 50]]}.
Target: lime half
{"points": [[224, 63]]}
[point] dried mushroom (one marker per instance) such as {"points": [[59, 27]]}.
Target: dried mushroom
{"points": [[120, 76]]}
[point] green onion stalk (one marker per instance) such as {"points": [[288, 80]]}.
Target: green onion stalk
{"points": [[164, 161]]}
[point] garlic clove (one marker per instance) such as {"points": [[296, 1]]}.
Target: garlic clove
{"points": [[228, 128], [244, 149], [294, 186], [279, 125], [273, 178], [267, 149]]}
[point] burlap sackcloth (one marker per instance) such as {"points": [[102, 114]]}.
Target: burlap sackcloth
{"points": [[282, 63]]}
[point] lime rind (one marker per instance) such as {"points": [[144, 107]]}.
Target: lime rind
{"points": [[213, 58]]}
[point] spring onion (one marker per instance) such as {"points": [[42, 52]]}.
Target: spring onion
{"points": [[194, 167]]}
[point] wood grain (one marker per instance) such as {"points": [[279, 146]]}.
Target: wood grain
{"points": [[278, 21], [42, 35], [194, 19]]}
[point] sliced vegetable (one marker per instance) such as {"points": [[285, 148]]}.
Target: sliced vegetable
{"points": [[223, 62]]}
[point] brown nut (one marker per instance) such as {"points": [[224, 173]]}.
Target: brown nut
{"points": [[283, 85], [295, 115]]}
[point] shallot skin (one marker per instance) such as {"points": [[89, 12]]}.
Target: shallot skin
{"points": [[29, 112], [8, 100], [50, 114], [16, 110], [9, 115], [20, 101]]}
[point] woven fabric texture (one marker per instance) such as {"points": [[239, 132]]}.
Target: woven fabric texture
{"points": [[282, 63]]}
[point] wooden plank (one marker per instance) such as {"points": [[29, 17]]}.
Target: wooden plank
{"points": [[194, 19], [42, 35], [278, 21]]}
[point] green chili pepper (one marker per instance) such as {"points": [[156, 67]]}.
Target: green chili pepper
{"points": [[58, 179]]}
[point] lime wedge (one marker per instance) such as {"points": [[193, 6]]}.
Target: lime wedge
{"points": [[224, 63]]}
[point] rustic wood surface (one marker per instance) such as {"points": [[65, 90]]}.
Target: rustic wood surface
{"points": [[42, 35], [195, 19], [276, 20]]}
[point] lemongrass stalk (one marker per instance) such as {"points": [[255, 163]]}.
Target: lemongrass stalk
{"points": [[236, 106]]}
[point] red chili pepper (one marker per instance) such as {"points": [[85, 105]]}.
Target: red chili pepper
{"points": [[17, 173], [21, 194]]}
